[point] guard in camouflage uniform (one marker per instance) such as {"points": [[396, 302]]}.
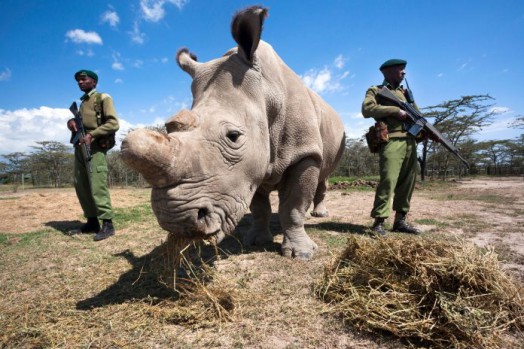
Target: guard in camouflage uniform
{"points": [[397, 157], [100, 124]]}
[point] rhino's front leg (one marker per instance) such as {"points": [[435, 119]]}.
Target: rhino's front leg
{"points": [[259, 233], [295, 196]]}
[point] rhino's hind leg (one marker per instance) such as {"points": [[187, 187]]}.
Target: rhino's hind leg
{"points": [[259, 233], [319, 208], [295, 196]]}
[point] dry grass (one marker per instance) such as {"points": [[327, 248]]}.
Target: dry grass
{"points": [[60, 291], [199, 301], [425, 291]]}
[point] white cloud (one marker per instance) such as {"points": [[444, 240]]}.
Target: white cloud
{"points": [[153, 10], [119, 81], [327, 79], [162, 60], [465, 65], [5, 75], [21, 129], [439, 75], [136, 35], [80, 36], [323, 81], [340, 61], [111, 17], [497, 130], [319, 81], [124, 129], [88, 53], [117, 64], [138, 63], [356, 125], [499, 110]]}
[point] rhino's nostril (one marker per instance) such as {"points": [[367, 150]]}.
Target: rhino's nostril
{"points": [[202, 213]]}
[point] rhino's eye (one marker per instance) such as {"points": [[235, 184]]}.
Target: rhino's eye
{"points": [[233, 136]]}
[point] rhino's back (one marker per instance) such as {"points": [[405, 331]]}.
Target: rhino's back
{"points": [[332, 134], [301, 123]]}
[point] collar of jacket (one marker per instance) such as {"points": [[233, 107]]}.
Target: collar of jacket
{"points": [[391, 87], [86, 96]]}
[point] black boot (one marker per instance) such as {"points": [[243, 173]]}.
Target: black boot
{"points": [[378, 227], [106, 231], [402, 226], [92, 226]]}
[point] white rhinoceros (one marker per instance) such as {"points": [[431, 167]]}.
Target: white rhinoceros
{"points": [[254, 127]]}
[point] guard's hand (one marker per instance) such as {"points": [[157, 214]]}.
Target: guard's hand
{"points": [[402, 115], [71, 125], [87, 139], [433, 137]]}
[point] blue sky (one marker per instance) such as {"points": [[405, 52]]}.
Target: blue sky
{"points": [[453, 48]]}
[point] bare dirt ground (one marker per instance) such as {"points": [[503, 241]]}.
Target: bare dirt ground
{"points": [[279, 310], [31, 210]]}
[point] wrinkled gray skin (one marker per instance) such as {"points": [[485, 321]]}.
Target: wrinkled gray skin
{"points": [[253, 128]]}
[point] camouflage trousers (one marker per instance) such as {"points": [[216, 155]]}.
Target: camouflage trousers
{"points": [[91, 183], [398, 172]]}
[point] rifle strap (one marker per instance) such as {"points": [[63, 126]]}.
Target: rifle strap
{"points": [[106, 142], [408, 94], [99, 110]]}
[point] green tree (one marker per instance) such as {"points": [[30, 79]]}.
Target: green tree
{"points": [[494, 153], [457, 120], [518, 122], [16, 166], [52, 159], [357, 160], [120, 174]]}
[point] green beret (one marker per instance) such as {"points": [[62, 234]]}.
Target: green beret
{"points": [[86, 72], [392, 63]]}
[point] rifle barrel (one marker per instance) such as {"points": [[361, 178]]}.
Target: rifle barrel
{"points": [[86, 153], [415, 116]]}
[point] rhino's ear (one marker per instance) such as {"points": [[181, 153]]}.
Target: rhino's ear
{"points": [[187, 61], [246, 29]]}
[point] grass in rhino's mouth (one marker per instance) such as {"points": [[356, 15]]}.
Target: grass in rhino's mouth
{"points": [[214, 237]]}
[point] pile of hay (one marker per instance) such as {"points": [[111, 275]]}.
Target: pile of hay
{"points": [[424, 291], [203, 298], [356, 183]]}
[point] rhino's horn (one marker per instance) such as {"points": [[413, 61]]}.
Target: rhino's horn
{"points": [[184, 120], [152, 154]]}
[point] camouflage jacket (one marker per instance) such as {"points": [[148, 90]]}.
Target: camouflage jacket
{"points": [[383, 110], [99, 120]]}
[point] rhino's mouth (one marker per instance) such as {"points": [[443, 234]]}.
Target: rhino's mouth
{"points": [[215, 237], [198, 219]]}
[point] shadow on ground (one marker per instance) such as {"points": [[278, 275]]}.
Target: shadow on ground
{"points": [[65, 227], [344, 228], [143, 281]]}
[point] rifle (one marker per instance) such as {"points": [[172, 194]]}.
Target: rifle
{"points": [[76, 136], [417, 123]]}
